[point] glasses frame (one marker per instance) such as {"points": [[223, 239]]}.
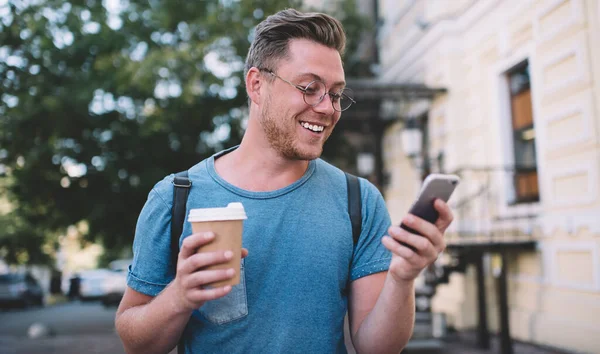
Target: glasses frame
{"points": [[305, 89]]}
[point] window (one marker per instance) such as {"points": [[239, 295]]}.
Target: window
{"points": [[523, 132]]}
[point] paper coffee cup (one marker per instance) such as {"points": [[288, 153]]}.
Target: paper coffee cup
{"points": [[227, 225]]}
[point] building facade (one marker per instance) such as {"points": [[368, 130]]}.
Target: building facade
{"points": [[520, 122]]}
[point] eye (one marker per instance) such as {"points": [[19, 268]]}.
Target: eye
{"points": [[335, 96], [311, 90], [315, 88]]}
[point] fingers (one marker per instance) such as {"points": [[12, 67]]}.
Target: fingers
{"points": [[203, 259], [206, 277], [429, 231], [191, 243], [193, 276], [421, 245], [446, 215], [202, 295], [413, 252], [398, 249]]}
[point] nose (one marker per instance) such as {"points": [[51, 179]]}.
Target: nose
{"points": [[325, 106]]}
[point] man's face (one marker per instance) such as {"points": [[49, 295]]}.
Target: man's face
{"points": [[292, 127]]}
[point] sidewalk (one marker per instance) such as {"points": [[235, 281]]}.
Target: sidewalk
{"points": [[107, 343], [91, 344], [459, 343], [466, 343]]}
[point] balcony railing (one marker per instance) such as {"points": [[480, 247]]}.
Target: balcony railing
{"points": [[495, 204]]}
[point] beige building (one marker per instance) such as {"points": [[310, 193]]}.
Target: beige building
{"points": [[520, 122]]}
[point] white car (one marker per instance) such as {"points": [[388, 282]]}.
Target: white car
{"points": [[105, 284], [93, 283], [116, 283]]}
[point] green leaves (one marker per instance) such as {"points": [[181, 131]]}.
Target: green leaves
{"points": [[99, 103]]}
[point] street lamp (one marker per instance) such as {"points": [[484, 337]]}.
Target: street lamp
{"points": [[365, 163], [412, 139], [416, 146]]}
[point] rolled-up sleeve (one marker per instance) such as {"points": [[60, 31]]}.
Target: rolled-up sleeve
{"points": [[152, 270], [370, 255]]}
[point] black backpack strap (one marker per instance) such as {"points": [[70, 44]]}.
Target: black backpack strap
{"points": [[355, 213], [354, 206], [181, 190]]}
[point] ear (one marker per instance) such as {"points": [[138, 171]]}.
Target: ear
{"points": [[254, 81]]}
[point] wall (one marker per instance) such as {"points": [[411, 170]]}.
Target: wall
{"points": [[554, 292]]}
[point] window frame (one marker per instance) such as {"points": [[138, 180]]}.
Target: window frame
{"points": [[521, 171]]}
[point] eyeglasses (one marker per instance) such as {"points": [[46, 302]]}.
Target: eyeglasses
{"points": [[316, 90]]}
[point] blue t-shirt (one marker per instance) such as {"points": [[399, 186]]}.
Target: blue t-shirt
{"points": [[292, 294]]}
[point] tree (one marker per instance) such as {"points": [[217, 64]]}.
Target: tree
{"points": [[100, 102]]}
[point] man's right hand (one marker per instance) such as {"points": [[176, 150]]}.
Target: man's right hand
{"points": [[154, 324], [192, 276]]}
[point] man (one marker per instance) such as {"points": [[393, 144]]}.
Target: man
{"points": [[293, 295]]}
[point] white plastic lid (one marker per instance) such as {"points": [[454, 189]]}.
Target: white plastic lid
{"points": [[233, 211]]}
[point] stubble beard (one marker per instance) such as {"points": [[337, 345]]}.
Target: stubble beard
{"points": [[283, 139]]}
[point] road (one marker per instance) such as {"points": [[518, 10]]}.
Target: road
{"points": [[76, 328], [89, 328], [65, 319]]}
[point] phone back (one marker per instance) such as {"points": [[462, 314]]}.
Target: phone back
{"points": [[435, 189], [435, 186]]}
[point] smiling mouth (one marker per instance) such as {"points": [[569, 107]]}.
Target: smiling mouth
{"points": [[312, 127]]}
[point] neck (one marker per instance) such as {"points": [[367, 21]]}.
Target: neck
{"points": [[257, 167]]}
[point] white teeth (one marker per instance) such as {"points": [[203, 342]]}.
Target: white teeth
{"points": [[314, 128]]}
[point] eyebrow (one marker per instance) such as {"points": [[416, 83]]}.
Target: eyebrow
{"points": [[317, 77]]}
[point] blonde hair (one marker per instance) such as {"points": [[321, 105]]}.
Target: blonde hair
{"points": [[273, 34]]}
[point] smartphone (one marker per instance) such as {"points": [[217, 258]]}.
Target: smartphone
{"points": [[435, 186]]}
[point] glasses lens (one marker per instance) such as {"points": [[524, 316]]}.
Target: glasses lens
{"points": [[314, 92], [345, 101]]}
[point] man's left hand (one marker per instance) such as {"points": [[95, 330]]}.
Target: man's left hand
{"points": [[406, 264]]}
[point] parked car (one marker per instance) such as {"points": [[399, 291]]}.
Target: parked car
{"points": [[116, 283], [20, 290], [90, 284], [103, 284], [114, 288]]}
